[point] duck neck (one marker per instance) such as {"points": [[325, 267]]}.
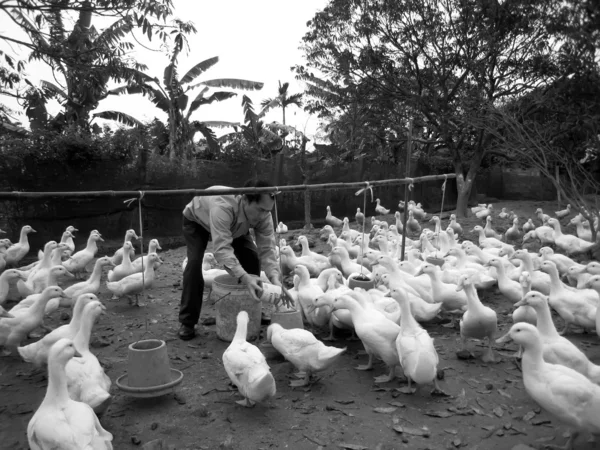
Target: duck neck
{"points": [[555, 284], [557, 229], [473, 302], [4, 285], [96, 272], [533, 356], [38, 307], [527, 263], [91, 245], [544, 321], [241, 331], [57, 393], [305, 249], [47, 258], [407, 320], [82, 338], [56, 260], [502, 278], [23, 237], [126, 258]]}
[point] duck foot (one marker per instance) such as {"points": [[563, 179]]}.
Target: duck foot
{"points": [[246, 403], [329, 338], [488, 356], [386, 378], [364, 367], [437, 391], [303, 382]]}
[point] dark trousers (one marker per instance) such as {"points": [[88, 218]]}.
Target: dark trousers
{"points": [[196, 240]]}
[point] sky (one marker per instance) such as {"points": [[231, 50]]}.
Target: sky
{"points": [[257, 40]]}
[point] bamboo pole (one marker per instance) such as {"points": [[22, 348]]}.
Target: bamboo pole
{"points": [[8, 195], [407, 185]]}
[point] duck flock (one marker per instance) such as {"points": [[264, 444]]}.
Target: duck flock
{"points": [[78, 390], [441, 276]]}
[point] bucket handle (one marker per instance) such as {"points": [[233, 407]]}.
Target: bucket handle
{"points": [[221, 298]]}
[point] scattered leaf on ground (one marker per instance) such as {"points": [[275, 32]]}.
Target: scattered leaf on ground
{"points": [[450, 431], [442, 414], [504, 393], [353, 446], [530, 415], [498, 411], [385, 410]]}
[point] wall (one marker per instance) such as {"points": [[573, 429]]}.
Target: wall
{"points": [[516, 184], [162, 215]]}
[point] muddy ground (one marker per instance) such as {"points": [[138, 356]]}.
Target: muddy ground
{"points": [[486, 406]]}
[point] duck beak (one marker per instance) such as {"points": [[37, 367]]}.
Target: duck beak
{"points": [[33, 231], [158, 247], [419, 273], [100, 238], [77, 354], [63, 295], [75, 229], [505, 338], [521, 302], [69, 274], [4, 313], [2, 231], [487, 264]]}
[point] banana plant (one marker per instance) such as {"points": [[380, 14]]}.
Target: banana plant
{"points": [[261, 139], [173, 97]]}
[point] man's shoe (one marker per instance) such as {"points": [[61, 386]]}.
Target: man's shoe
{"points": [[186, 332]]}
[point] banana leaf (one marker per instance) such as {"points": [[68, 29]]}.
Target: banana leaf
{"points": [[120, 117], [234, 83], [201, 100], [198, 69]]}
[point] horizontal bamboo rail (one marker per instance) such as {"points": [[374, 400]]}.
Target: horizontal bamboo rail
{"points": [[5, 195]]}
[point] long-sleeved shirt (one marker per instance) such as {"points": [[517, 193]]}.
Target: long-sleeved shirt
{"points": [[223, 216]]}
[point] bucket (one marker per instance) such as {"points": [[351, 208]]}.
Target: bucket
{"points": [[288, 319], [148, 364], [232, 297], [271, 293]]}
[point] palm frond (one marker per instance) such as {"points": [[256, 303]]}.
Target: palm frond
{"points": [[276, 126], [283, 88], [294, 99], [274, 103], [118, 116], [198, 69]]}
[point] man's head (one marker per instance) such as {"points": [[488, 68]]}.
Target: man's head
{"points": [[257, 206]]}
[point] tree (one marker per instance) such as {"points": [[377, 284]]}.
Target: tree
{"points": [[436, 62], [283, 100], [85, 58], [558, 127], [172, 97]]}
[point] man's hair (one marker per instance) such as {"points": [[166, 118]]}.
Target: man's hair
{"points": [[257, 183]]}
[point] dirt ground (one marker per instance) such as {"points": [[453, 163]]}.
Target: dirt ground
{"points": [[486, 407]]}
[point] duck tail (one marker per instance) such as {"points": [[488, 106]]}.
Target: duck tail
{"points": [[330, 352], [261, 384], [592, 252], [594, 373], [28, 352]]}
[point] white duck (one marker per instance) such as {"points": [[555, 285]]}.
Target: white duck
{"points": [[562, 262], [594, 283], [307, 294], [563, 212], [561, 391], [575, 307], [452, 299], [418, 357], [126, 267], [486, 241], [118, 256], [247, 368], [68, 238], [489, 229], [289, 261], [513, 233], [14, 330], [92, 284], [340, 258], [558, 349], [153, 247], [37, 352], [39, 271], [485, 212], [582, 231], [134, 284], [17, 252], [525, 313], [540, 280], [503, 214], [60, 422], [331, 220], [82, 258], [303, 350], [412, 226], [478, 321], [541, 216], [380, 209], [281, 228], [568, 242], [456, 227], [511, 289], [86, 380], [54, 274], [321, 261], [528, 226], [8, 277], [377, 333]]}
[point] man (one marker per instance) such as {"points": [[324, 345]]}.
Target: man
{"points": [[226, 220]]}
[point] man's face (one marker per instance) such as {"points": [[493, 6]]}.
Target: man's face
{"points": [[257, 211]]}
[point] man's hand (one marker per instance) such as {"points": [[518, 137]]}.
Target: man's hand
{"points": [[254, 285], [286, 298]]}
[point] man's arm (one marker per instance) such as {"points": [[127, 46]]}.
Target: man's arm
{"points": [[265, 242]]}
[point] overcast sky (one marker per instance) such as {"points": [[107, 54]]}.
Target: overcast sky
{"points": [[255, 40]]}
